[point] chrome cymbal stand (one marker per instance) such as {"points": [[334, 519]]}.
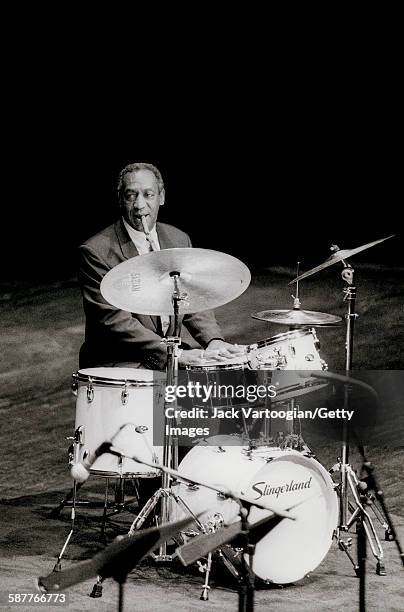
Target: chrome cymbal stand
{"points": [[348, 478], [170, 449]]}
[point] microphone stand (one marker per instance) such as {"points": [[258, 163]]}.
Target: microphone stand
{"points": [[247, 580]]}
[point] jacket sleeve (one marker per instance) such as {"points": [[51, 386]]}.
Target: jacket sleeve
{"points": [[111, 325]]}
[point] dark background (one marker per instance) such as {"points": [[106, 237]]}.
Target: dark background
{"points": [[266, 207], [270, 170]]}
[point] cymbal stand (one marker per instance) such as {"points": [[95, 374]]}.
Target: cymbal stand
{"points": [[371, 485], [348, 478], [170, 449]]}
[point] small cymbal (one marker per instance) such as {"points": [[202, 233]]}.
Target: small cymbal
{"points": [[143, 284], [297, 317], [339, 255]]}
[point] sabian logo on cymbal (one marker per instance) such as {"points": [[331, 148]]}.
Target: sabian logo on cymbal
{"points": [[131, 282], [135, 284], [265, 490]]}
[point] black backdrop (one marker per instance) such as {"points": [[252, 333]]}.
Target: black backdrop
{"points": [[269, 196]]}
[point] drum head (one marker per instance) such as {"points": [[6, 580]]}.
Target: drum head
{"points": [[279, 338], [116, 374], [293, 548], [232, 363]]}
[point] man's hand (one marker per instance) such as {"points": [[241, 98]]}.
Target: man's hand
{"points": [[222, 349], [218, 350]]}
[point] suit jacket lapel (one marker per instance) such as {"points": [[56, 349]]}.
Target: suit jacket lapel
{"points": [[127, 247], [128, 251], [164, 238]]}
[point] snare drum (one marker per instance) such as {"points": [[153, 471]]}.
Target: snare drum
{"points": [[233, 363], [282, 479], [116, 404], [214, 374], [296, 350]]}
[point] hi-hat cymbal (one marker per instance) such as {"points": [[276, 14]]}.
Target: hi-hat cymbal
{"points": [[339, 255], [296, 317], [143, 284]]}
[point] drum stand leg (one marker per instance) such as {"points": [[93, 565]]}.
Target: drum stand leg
{"points": [[58, 565], [207, 569], [54, 514], [104, 514]]}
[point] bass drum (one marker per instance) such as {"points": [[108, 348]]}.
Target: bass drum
{"points": [[282, 479]]}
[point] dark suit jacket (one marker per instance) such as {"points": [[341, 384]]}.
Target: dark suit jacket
{"points": [[116, 336]]}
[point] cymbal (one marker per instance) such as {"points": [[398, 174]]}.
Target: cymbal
{"points": [[296, 317], [339, 255], [143, 283]]}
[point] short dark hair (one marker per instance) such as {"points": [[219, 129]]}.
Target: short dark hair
{"points": [[140, 166]]}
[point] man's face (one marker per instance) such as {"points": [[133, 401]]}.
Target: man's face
{"points": [[140, 197]]}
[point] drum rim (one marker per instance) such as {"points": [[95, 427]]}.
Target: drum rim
{"points": [[113, 382], [293, 334], [219, 366], [112, 474]]}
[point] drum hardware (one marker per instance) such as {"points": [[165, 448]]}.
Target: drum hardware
{"points": [[339, 255], [105, 399], [170, 449], [362, 498], [348, 478], [173, 282], [246, 576], [296, 318], [78, 451]]}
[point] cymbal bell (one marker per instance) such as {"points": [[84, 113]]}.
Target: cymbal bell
{"points": [[297, 317], [338, 255], [144, 284]]}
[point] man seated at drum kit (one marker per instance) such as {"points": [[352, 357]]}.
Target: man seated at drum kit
{"points": [[122, 346], [122, 349], [114, 337]]}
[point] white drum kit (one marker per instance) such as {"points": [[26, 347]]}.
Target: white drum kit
{"points": [[116, 405]]}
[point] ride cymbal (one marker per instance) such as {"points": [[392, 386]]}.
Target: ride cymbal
{"points": [[296, 317], [144, 284], [338, 255]]}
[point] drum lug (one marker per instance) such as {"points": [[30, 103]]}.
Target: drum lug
{"points": [[78, 440], [193, 487], [70, 454], [125, 394], [75, 383], [324, 364], [281, 359], [90, 391], [79, 435]]}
